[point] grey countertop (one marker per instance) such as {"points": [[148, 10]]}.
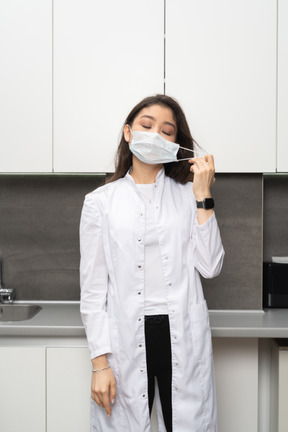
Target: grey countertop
{"points": [[63, 319], [55, 319]]}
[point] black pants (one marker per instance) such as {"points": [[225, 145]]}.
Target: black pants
{"points": [[158, 356]]}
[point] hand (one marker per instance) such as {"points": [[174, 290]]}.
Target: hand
{"points": [[103, 385], [103, 389], [204, 172]]}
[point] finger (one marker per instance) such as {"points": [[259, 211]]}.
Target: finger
{"points": [[106, 404], [198, 165], [207, 165], [96, 398], [210, 159], [193, 160], [94, 393], [112, 392], [200, 161]]}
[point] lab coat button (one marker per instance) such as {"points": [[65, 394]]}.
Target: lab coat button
{"points": [[177, 364], [140, 345], [139, 239], [170, 284], [141, 370], [143, 395], [139, 266], [139, 319], [139, 292]]}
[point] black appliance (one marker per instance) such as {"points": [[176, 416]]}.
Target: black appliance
{"points": [[275, 285]]}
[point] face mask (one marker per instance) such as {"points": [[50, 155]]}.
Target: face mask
{"points": [[152, 148]]}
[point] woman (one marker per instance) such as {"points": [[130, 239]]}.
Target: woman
{"points": [[146, 236]]}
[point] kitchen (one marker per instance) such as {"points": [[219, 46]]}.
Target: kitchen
{"points": [[69, 77]]}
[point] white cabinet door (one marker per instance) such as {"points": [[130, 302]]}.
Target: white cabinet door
{"points": [[108, 55], [279, 386], [68, 389], [26, 86], [221, 66], [282, 150], [22, 389], [236, 372]]}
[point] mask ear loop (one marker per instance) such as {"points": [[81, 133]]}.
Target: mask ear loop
{"points": [[192, 151]]}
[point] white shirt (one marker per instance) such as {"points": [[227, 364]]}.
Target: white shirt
{"points": [[112, 277], [154, 291]]}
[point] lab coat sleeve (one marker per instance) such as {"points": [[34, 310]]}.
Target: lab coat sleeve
{"points": [[208, 251], [94, 278]]}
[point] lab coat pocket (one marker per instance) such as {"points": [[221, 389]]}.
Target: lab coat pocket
{"points": [[200, 330]]}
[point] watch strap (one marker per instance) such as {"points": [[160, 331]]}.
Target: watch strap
{"points": [[207, 204]]}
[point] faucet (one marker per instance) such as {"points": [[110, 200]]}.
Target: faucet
{"points": [[7, 295]]}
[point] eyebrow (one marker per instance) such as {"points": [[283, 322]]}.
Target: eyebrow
{"points": [[153, 118]]}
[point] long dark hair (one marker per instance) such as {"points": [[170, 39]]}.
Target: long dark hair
{"points": [[179, 171]]}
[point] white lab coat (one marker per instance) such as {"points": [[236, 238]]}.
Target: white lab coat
{"points": [[112, 239]]}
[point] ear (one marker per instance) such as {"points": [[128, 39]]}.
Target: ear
{"points": [[127, 133]]}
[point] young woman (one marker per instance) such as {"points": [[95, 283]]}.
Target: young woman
{"points": [[146, 236]]}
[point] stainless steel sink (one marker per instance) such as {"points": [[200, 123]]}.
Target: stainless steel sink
{"points": [[18, 312]]}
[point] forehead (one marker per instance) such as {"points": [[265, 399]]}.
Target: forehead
{"points": [[158, 112]]}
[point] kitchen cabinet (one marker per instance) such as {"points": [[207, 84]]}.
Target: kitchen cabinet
{"points": [[22, 394], [279, 386], [282, 150], [68, 389], [107, 57], [221, 66], [26, 86], [52, 383], [236, 374], [71, 72]]}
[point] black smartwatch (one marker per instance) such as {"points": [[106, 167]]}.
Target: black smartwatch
{"points": [[207, 203]]}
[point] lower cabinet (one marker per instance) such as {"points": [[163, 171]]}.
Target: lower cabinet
{"points": [[236, 373], [68, 389], [279, 386], [22, 389], [47, 388], [44, 389]]}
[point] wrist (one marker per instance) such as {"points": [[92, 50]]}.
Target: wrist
{"points": [[200, 196], [99, 362], [205, 204]]}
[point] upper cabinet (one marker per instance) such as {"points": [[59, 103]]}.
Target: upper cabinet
{"points": [[107, 57], [26, 86], [282, 153], [72, 70], [221, 66]]}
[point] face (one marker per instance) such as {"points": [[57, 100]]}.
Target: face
{"points": [[155, 118]]}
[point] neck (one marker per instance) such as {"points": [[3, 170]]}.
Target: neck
{"points": [[143, 173]]}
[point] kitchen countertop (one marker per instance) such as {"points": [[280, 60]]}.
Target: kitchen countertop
{"points": [[63, 319], [55, 319]]}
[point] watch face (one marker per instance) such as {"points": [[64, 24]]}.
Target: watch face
{"points": [[208, 203]]}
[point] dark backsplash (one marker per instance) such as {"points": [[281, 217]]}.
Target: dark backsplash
{"points": [[238, 207], [39, 240], [39, 234]]}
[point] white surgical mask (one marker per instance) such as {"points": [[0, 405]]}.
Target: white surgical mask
{"points": [[153, 148]]}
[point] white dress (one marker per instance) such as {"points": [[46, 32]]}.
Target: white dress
{"points": [[112, 240]]}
